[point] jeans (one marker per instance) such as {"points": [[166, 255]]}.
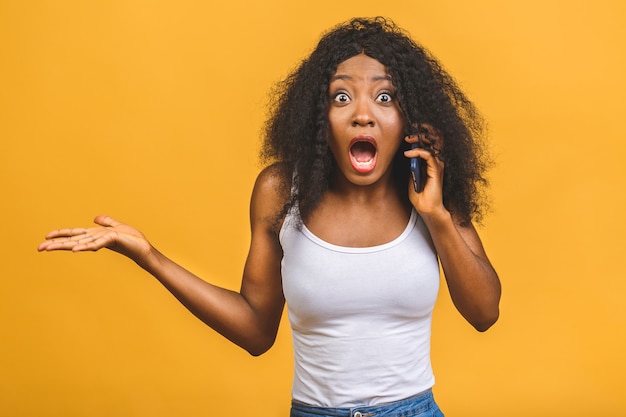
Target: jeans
{"points": [[422, 405]]}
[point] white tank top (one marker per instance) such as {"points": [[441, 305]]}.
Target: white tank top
{"points": [[360, 317]]}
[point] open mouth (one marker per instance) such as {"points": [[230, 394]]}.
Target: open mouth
{"points": [[363, 155]]}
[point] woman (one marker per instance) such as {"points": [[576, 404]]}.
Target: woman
{"points": [[340, 232]]}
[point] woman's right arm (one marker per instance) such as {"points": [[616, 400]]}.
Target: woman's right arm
{"points": [[250, 317]]}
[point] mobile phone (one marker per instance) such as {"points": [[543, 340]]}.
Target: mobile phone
{"points": [[418, 170]]}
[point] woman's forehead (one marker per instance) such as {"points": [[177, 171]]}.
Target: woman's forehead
{"points": [[361, 65]]}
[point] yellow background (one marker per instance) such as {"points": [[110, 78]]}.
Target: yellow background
{"points": [[150, 111]]}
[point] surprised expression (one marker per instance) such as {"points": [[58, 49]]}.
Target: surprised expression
{"points": [[366, 123]]}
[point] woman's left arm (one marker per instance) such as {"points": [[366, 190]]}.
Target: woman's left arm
{"points": [[473, 282]]}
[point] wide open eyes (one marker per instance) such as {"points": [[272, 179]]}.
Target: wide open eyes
{"points": [[383, 98], [341, 98]]}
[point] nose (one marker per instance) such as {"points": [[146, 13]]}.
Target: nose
{"points": [[362, 114]]}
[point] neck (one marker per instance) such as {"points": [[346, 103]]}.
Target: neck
{"points": [[376, 192]]}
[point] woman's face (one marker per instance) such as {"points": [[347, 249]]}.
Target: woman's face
{"points": [[366, 124]]}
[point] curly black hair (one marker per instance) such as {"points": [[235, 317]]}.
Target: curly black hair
{"points": [[297, 130]]}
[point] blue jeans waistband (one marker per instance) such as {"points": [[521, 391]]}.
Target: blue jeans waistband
{"points": [[422, 404]]}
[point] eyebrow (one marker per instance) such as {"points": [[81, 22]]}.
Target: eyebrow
{"points": [[348, 77]]}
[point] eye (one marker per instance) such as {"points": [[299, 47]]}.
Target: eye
{"points": [[341, 98], [385, 97]]}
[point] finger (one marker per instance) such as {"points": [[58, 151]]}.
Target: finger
{"points": [[433, 161], [93, 241], [57, 244], [434, 165], [67, 239], [106, 221], [418, 153], [412, 138], [427, 140], [67, 232]]}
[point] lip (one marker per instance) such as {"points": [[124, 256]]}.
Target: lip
{"points": [[363, 138]]}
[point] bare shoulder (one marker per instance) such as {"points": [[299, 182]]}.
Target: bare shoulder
{"points": [[275, 177], [271, 193]]}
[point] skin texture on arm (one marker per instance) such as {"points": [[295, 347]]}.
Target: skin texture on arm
{"points": [[250, 317], [472, 281]]}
